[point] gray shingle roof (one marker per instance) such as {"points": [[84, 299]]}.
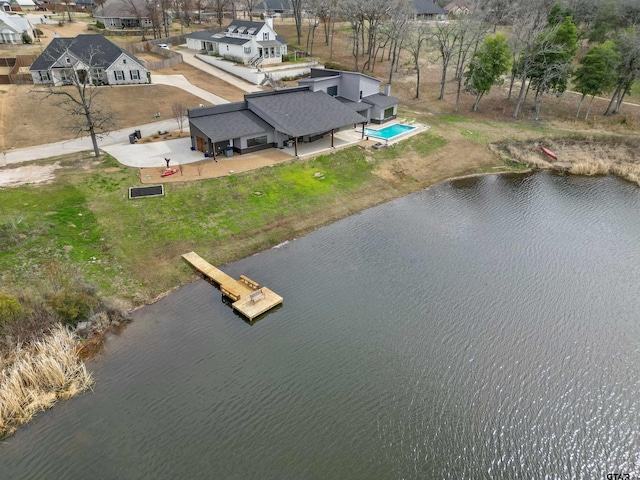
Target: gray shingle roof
{"points": [[201, 35], [230, 40], [247, 25], [91, 49], [381, 100], [230, 124], [122, 9], [427, 7], [298, 111], [275, 5]]}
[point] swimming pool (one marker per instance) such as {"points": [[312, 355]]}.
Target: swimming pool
{"points": [[389, 132]]}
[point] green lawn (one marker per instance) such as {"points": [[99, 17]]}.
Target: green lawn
{"points": [[131, 248]]}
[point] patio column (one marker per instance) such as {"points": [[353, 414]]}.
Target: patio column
{"points": [[363, 124], [332, 138], [296, 145]]}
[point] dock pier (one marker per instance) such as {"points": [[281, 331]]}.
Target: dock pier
{"points": [[249, 297]]}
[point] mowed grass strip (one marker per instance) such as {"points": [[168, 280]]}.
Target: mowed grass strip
{"points": [[131, 248]]}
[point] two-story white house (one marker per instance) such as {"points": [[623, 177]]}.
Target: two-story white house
{"points": [[358, 91], [249, 43], [87, 59]]}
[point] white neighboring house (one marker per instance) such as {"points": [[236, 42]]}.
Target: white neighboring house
{"points": [[249, 43], [92, 58], [13, 27], [22, 5]]}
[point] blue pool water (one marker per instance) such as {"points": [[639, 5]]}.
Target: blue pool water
{"points": [[389, 132]]}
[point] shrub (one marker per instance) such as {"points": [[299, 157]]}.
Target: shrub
{"points": [[73, 305], [99, 25], [10, 308], [337, 66]]}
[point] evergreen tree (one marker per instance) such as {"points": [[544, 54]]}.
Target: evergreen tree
{"points": [[597, 73], [489, 63]]}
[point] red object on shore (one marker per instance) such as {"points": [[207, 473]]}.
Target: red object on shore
{"points": [[546, 151], [166, 173]]}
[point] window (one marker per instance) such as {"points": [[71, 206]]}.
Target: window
{"points": [[388, 112], [333, 91], [227, 48], [135, 74], [247, 49], [119, 74], [265, 36], [256, 141], [44, 76], [360, 94], [277, 51], [68, 60], [124, 60]]}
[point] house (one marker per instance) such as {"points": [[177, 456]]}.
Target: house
{"points": [[427, 10], [92, 58], [120, 14], [359, 92], [269, 119], [22, 5], [249, 43], [15, 29], [459, 8], [276, 8], [5, 6]]}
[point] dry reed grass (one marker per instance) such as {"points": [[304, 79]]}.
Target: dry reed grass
{"points": [[35, 377], [579, 156]]}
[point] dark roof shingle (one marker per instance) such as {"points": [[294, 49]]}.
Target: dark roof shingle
{"points": [[94, 50], [298, 111]]}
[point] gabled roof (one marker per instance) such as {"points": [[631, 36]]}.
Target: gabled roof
{"points": [[298, 111], [122, 9], [427, 7], [13, 23], [381, 100], [461, 4], [274, 5], [91, 49]]}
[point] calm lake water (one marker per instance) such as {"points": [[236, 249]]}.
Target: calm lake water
{"points": [[485, 328]]}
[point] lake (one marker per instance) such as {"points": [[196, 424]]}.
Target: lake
{"points": [[484, 328]]}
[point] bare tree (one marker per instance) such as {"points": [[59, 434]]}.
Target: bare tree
{"points": [[297, 6], [353, 11], [445, 36], [76, 91], [472, 30], [250, 6], [180, 114], [415, 45]]}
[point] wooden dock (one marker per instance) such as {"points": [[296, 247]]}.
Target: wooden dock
{"points": [[249, 298]]}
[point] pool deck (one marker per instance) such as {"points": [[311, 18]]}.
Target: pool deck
{"points": [[417, 128]]}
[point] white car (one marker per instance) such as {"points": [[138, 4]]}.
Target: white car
{"points": [[163, 45]]}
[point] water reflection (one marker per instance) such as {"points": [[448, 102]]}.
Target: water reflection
{"points": [[482, 329]]}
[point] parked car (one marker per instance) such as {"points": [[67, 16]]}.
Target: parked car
{"points": [[163, 45]]}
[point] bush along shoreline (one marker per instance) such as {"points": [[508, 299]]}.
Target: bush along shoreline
{"points": [[42, 344]]}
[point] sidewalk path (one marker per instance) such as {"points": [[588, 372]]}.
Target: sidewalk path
{"points": [[117, 137], [179, 81], [188, 56], [20, 155]]}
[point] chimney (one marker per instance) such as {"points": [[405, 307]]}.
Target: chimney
{"points": [[268, 19], [387, 90]]}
